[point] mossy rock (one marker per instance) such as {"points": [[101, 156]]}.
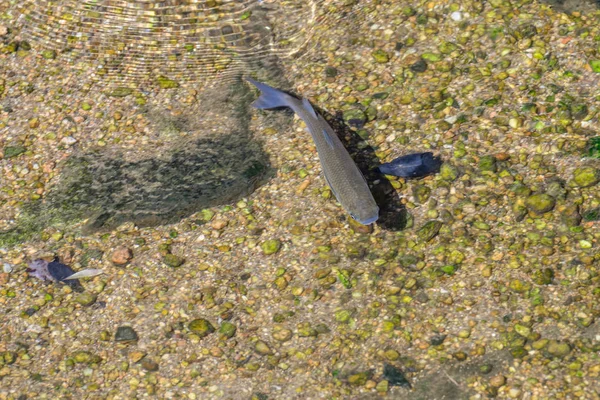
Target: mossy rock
{"points": [[201, 327], [540, 203], [166, 83], [586, 176], [14, 151], [381, 56]]}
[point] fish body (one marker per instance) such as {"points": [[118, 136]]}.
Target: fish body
{"points": [[412, 165], [341, 172], [55, 271]]}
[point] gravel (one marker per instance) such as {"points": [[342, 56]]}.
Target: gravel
{"points": [[229, 269]]}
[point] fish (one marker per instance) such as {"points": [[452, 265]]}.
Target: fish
{"points": [[55, 271], [412, 165], [343, 176]]}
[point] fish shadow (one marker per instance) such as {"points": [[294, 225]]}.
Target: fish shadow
{"points": [[393, 215]]}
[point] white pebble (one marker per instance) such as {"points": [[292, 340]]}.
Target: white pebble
{"points": [[7, 268], [69, 140], [456, 16]]}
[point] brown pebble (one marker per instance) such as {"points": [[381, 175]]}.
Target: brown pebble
{"points": [[303, 186], [498, 381], [3, 30], [219, 224], [48, 167], [4, 277], [135, 356], [149, 364], [502, 156], [121, 256], [65, 255]]}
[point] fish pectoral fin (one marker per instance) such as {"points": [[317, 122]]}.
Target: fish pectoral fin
{"points": [[331, 187], [308, 107]]}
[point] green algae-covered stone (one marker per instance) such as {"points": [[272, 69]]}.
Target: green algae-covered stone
{"points": [[166, 83], [358, 379], [355, 117], [448, 172], [85, 357], [380, 56], [558, 349], [540, 203], [173, 261], [586, 176], [429, 230], [421, 193], [431, 57], [227, 330], [86, 299], [201, 327], [262, 348], [14, 151], [488, 163], [49, 54], [543, 276], [271, 246]]}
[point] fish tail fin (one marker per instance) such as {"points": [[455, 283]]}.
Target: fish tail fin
{"points": [[270, 97]]}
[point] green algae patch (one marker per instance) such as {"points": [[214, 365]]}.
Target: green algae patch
{"points": [[201, 327], [540, 203], [270, 246], [166, 83]]}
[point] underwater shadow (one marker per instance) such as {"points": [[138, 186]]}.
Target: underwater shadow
{"points": [[198, 174], [392, 213], [569, 6], [155, 187]]}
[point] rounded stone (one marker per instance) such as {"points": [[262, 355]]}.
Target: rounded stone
{"points": [[540, 203], [125, 334], [85, 299], [558, 349], [173, 261], [201, 327], [271, 246], [121, 255], [586, 176], [262, 348], [227, 330]]}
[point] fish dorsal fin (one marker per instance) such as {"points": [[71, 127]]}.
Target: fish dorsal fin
{"points": [[309, 108], [313, 113]]}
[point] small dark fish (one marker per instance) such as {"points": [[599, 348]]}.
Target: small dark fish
{"points": [[52, 271], [412, 165], [395, 376]]}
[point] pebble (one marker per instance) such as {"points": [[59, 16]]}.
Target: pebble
{"points": [[126, 334], [68, 140], [262, 348], [149, 364], [7, 268], [201, 327], [121, 256], [456, 16]]}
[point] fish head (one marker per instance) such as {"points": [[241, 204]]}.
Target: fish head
{"points": [[365, 218], [39, 269]]}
